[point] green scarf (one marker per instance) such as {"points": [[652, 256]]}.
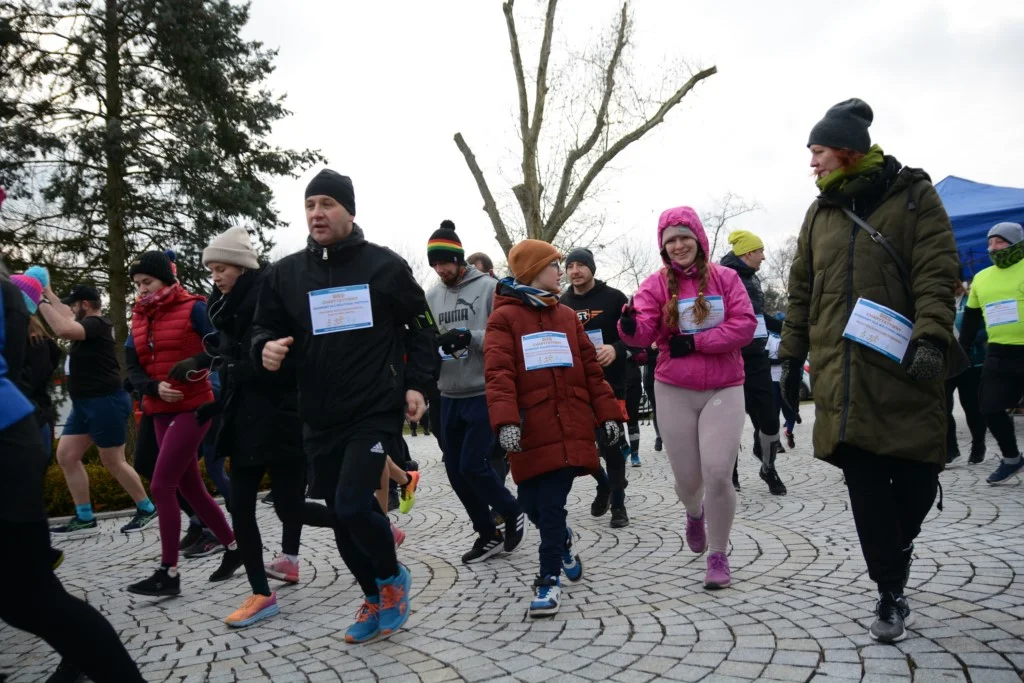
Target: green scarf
{"points": [[841, 177]]}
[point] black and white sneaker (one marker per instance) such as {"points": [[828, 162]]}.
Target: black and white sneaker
{"points": [[515, 532], [889, 626], [484, 548]]}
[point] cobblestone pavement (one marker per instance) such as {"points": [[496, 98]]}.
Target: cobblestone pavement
{"points": [[798, 611]]}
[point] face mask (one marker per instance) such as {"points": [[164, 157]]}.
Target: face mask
{"points": [[1004, 258]]}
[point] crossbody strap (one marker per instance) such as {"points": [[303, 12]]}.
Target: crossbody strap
{"points": [[883, 242]]}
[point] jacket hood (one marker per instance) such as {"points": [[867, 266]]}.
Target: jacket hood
{"points": [[470, 275], [685, 216], [354, 239], [733, 261]]}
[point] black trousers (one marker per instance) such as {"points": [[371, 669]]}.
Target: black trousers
{"points": [[543, 499], [968, 385], [759, 398], [634, 394], [1002, 386], [649, 390], [890, 498]]}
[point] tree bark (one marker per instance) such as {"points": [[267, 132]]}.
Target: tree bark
{"points": [[490, 207], [115, 191]]}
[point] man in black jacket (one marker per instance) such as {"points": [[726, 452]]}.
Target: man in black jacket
{"points": [[351, 317], [745, 258], [598, 307]]}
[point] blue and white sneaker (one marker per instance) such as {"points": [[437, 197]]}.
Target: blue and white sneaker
{"points": [[1006, 470], [394, 600], [634, 459], [572, 565], [367, 624], [549, 591]]}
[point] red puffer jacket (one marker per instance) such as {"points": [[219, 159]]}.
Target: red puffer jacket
{"points": [[557, 408]]}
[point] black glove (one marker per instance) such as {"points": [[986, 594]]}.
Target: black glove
{"points": [[510, 436], [789, 384], [208, 411], [681, 345], [925, 362], [454, 340], [627, 321], [179, 373]]}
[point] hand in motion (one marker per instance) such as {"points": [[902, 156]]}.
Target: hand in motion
{"points": [[509, 437], [274, 352]]}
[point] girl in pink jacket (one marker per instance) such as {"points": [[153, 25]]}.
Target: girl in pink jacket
{"points": [[700, 316]]}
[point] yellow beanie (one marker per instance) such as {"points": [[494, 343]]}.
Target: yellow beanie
{"points": [[744, 242]]}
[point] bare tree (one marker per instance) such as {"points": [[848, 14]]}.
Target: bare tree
{"points": [[604, 119], [635, 259], [417, 260], [775, 273], [726, 208]]}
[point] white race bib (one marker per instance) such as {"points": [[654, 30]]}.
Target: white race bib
{"points": [[546, 350], [761, 331], [596, 338], [879, 328], [776, 373], [340, 309], [446, 356], [687, 325], [1002, 313]]}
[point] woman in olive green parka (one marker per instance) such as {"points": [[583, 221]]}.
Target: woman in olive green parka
{"points": [[882, 421]]}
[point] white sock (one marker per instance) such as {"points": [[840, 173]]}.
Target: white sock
{"points": [[291, 558], [172, 572]]}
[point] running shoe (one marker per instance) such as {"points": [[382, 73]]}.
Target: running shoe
{"points": [[206, 545], [515, 532], [139, 521], [572, 565], [790, 440], [394, 600], [889, 626], [75, 527], [696, 533], [229, 564], [66, 673], [718, 575], [1006, 470], [634, 459], [283, 569], [657, 444], [194, 533], [601, 502], [547, 596], [255, 608], [771, 477], [398, 535], [408, 493], [367, 623], [160, 585], [977, 453], [484, 548], [619, 518]]}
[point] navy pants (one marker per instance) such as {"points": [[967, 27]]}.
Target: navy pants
{"points": [[543, 499], [468, 443]]}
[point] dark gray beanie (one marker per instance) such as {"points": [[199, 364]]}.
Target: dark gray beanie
{"points": [[845, 126], [336, 186], [581, 255]]}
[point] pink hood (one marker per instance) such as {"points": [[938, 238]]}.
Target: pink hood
{"points": [[717, 362]]}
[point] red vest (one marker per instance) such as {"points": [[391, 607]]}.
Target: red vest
{"points": [[162, 337]]}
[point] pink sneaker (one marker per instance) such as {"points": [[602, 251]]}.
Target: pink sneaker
{"points": [[283, 569], [718, 575], [398, 534], [696, 534]]}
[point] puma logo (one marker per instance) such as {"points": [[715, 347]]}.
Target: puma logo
{"points": [[470, 305]]}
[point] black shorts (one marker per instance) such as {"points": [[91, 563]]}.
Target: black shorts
{"points": [[355, 456], [1002, 379]]}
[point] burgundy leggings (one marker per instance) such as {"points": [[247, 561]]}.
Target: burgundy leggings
{"points": [[178, 437]]}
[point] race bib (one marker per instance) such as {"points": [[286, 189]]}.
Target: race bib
{"points": [[546, 350], [340, 309], [1002, 313], [879, 328], [761, 331], [776, 373], [687, 325], [596, 338], [774, 342]]}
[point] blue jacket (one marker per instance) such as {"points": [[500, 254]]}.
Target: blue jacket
{"points": [[979, 349], [13, 404]]}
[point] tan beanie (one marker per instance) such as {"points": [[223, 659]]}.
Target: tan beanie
{"points": [[232, 247], [529, 257]]}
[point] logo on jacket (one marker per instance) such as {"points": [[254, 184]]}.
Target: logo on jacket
{"points": [[586, 315], [458, 315], [378, 448]]}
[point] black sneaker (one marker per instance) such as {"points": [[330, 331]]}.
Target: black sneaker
{"points": [[515, 532], [951, 455], [206, 545], [160, 585], [193, 534], [736, 479], [889, 626], [76, 527], [139, 521], [601, 502], [619, 518], [977, 454], [775, 485], [66, 673], [790, 440], [230, 563], [484, 548], [657, 444]]}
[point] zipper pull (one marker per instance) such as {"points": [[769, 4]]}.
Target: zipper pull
{"points": [[324, 258]]}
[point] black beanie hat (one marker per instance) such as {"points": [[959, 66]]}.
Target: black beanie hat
{"points": [[845, 126], [445, 246], [581, 255], [155, 264], [336, 186]]}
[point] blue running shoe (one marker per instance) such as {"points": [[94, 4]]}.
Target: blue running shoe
{"points": [[394, 600], [634, 459], [1006, 470], [572, 565], [549, 591], [367, 624]]}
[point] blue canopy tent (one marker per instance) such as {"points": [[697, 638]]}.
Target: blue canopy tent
{"points": [[973, 208]]}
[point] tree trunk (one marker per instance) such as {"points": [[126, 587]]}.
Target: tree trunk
{"points": [[115, 191]]}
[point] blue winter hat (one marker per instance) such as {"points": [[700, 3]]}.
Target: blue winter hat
{"points": [[40, 273]]}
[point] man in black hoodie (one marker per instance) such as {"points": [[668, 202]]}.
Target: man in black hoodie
{"points": [[351, 317], [598, 307], [745, 258]]}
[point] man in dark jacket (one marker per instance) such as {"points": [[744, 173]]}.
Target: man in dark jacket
{"points": [[746, 258], [598, 307], [348, 313]]}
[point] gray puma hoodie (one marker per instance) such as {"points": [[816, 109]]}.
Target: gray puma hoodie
{"points": [[467, 305]]}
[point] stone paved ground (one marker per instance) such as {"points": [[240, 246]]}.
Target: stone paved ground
{"points": [[798, 610]]}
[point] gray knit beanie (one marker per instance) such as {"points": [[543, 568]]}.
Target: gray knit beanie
{"points": [[1011, 232], [845, 126], [232, 247]]}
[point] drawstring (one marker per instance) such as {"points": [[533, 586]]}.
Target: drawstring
{"points": [[940, 497]]}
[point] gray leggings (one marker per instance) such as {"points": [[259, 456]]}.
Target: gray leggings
{"points": [[701, 432]]}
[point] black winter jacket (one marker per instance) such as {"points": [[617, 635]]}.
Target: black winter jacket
{"points": [[42, 356], [753, 285], [600, 309], [358, 376]]}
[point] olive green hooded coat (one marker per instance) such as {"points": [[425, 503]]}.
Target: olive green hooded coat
{"points": [[861, 397]]}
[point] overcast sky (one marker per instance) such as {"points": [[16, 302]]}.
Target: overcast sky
{"points": [[381, 87]]}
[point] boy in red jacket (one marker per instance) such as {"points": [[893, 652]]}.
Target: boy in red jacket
{"points": [[546, 394]]}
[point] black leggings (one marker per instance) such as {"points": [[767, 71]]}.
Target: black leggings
{"points": [[634, 394], [968, 385], [289, 485]]}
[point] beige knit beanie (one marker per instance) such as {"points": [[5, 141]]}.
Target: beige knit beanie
{"points": [[233, 247]]}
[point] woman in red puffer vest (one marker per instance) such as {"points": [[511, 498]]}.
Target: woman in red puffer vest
{"points": [[169, 326]]}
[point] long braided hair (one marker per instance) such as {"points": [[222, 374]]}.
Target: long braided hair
{"points": [[701, 308]]}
